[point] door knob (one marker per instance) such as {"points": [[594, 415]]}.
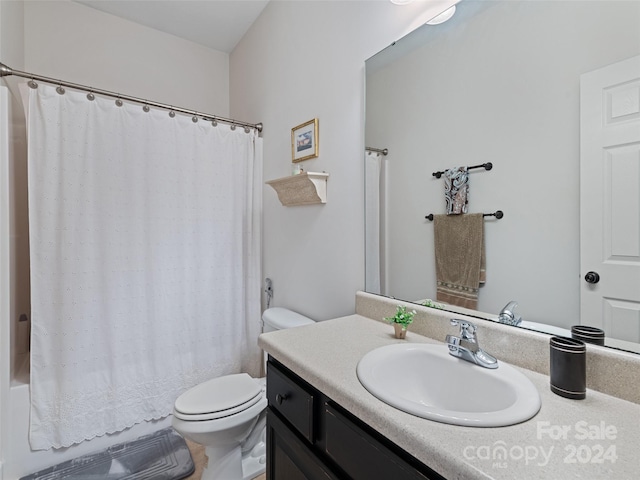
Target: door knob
{"points": [[592, 277]]}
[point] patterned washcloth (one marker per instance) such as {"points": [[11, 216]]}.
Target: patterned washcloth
{"points": [[456, 190]]}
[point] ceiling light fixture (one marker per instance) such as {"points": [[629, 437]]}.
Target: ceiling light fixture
{"points": [[443, 17]]}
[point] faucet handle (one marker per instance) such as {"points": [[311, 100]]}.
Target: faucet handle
{"points": [[507, 315], [467, 329]]}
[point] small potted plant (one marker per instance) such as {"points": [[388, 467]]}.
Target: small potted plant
{"points": [[430, 303], [401, 320]]}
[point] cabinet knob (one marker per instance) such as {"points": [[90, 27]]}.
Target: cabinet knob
{"points": [[280, 398], [592, 277]]}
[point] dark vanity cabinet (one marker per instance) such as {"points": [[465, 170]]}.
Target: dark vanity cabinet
{"points": [[311, 437]]}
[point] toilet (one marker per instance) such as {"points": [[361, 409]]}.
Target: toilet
{"points": [[228, 414]]}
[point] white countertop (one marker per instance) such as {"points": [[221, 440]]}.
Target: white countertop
{"points": [[601, 436]]}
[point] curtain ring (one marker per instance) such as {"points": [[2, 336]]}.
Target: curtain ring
{"points": [[233, 126], [32, 84], [172, 113], [194, 119], [119, 102], [146, 108], [91, 97], [247, 129], [60, 90], [214, 122]]}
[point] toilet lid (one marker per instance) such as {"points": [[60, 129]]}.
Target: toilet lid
{"points": [[283, 318], [219, 397]]}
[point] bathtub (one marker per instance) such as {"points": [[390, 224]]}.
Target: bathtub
{"points": [[20, 460]]}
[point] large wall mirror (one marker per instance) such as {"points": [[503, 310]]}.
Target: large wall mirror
{"points": [[501, 82]]}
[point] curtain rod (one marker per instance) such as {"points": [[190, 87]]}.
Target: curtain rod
{"points": [[6, 71], [383, 151]]}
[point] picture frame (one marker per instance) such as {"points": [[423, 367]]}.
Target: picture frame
{"points": [[304, 141]]}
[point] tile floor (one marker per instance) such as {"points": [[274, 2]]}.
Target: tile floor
{"points": [[200, 460]]}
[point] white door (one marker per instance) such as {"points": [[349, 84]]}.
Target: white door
{"points": [[610, 199]]}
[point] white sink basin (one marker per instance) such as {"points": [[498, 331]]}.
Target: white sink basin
{"points": [[424, 380]]}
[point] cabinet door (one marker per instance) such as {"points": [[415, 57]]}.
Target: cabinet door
{"points": [[363, 457], [288, 457]]}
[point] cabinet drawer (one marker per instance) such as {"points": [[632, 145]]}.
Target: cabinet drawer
{"points": [[360, 455], [290, 400]]}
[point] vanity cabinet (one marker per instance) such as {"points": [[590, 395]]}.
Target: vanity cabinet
{"points": [[311, 437]]}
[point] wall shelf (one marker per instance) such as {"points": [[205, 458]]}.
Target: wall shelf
{"points": [[308, 188]]}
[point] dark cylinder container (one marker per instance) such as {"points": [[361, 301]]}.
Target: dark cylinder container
{"points": [[588, 334], [568, 367]]}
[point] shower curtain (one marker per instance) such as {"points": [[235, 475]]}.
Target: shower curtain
{"points": [[372, 167], [145, 261]]}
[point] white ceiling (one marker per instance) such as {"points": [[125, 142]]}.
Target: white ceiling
{"points": [[217, 24]]}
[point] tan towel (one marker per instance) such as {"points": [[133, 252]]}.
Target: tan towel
{"points": [[459, 249]]}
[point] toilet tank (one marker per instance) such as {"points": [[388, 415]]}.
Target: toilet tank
{"points": [[278, 318]]}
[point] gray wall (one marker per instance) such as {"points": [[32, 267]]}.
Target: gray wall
{"points": [[299, 61]]}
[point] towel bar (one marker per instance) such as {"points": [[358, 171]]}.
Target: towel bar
{"points": [[486, 166], [498, 214]]}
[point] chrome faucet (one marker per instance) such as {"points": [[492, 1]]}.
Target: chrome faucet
{"points": [[508, 317], [466, 345]]}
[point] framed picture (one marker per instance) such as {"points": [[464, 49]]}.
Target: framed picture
{"points": [[304, 141]]}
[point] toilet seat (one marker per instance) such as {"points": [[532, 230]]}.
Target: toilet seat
{"points": [[219, 398]]}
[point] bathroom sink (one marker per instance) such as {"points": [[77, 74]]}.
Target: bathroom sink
{"points": [[424, 380]]}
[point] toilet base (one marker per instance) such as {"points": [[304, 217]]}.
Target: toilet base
{"points": [[224, 463], [254, 462], [253, 466], [231, 464]]}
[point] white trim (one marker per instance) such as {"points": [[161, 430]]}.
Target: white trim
{"points": [[5, 336]]}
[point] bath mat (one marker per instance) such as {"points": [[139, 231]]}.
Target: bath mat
{"points": [[163, 455]]}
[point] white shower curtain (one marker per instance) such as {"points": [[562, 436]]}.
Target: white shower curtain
{"points": [[145, 261], [372, 167]]}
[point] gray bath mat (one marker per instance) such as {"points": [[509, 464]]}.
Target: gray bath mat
{"points": [[163, 455]]}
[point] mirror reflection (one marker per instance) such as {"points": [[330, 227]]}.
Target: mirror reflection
{"points": [[501, 82]]}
